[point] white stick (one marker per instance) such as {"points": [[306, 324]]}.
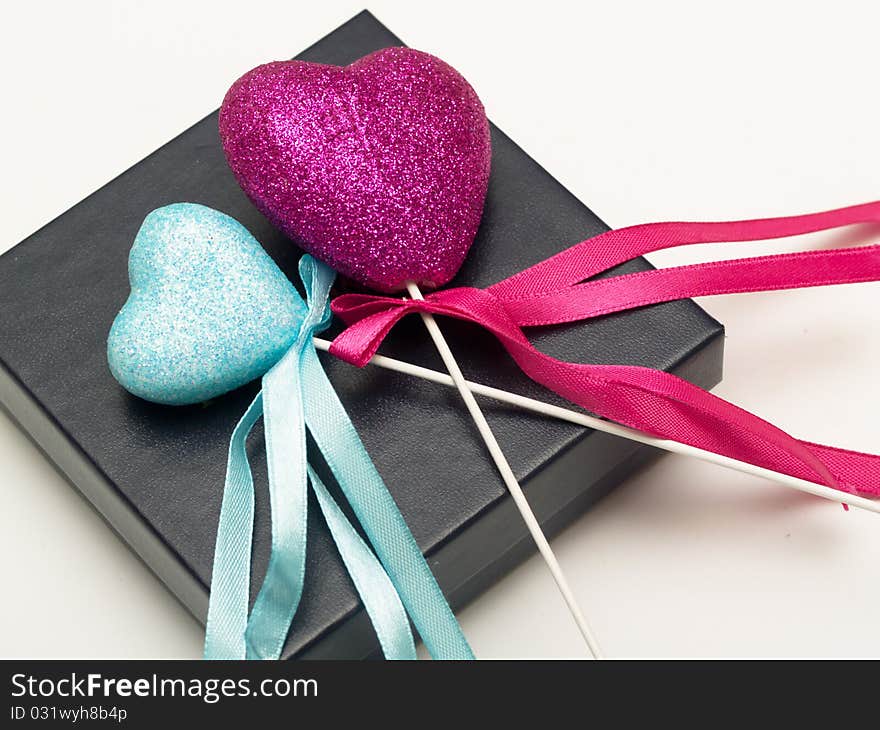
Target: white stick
{"points": [[582, 419], [506, 473]]}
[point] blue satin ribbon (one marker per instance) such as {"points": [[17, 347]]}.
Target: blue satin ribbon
{"points": [[296, 393]]}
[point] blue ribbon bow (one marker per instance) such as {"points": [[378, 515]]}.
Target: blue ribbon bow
{"points": [[296, 394]]}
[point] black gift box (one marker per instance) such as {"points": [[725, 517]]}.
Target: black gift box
{"points": [[156, 473]]}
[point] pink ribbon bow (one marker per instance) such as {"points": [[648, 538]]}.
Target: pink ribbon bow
{"points": [[557, 290]]}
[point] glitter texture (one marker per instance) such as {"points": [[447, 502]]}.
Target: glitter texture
{"points": [[379, 168], [208, 311]]}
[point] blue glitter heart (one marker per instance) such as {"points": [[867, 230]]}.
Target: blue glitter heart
{"points": [[208, 311]]}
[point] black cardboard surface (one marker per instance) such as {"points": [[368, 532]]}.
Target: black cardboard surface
{"points": [[156, 473]]}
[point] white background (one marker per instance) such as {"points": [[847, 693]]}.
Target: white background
{"points": [[646, 111]]}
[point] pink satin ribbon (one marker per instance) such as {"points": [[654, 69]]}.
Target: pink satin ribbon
{"points": [[653, 401]]}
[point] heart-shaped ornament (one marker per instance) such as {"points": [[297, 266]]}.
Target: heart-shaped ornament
{"points": [[379, 168], [208, 311]]}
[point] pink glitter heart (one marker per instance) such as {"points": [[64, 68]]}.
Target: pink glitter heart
{"points": [[379, 168]]}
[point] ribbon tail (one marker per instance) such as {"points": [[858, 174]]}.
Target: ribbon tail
{"points": [[379, 515], [599, 297], [228, 605], [230, 576], [380, 599], [282, 586], [665, 405], [602, 252]]}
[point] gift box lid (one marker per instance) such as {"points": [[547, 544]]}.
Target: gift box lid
{"points": [[156, 472]]}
